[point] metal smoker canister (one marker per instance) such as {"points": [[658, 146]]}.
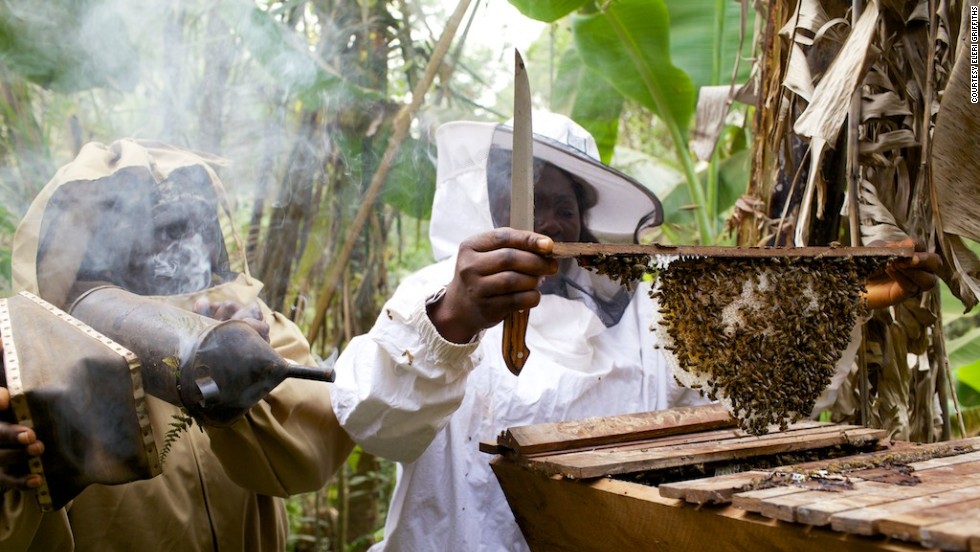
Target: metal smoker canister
{"points": [[215, 370], [82, 395]]}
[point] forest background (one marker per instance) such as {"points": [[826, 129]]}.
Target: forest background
{"points": [[325, 110]]}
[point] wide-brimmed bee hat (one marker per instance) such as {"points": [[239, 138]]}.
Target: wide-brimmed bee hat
{"points": [[474, 166]]}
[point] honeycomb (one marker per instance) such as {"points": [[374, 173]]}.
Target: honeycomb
{"points": [[761, 335]]}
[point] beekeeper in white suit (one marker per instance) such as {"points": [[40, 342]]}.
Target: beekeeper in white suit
{"points": [[428, 382]]}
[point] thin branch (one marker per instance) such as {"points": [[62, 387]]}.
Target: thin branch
{"points": [[400, 129]]}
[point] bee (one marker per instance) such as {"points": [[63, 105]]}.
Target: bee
{"points": [[749, 331]]}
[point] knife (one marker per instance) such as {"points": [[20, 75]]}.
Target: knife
{"points": [[515, 350]]}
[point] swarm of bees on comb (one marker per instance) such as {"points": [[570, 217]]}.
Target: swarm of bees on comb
{"points": [[762, 335]]}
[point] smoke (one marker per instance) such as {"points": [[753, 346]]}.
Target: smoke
{"points": [[183, 266], [210, 76]]}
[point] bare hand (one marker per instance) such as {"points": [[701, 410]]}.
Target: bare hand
{"points": [[903, 279], [231, 310], [17, 445], [497, 273]]}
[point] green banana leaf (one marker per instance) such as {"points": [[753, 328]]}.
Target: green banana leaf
{"points": [[964, 359], [692, 40], [971, 419], [964, 351], [692, 33], [629, 45], [590, 100], [548, 11]]}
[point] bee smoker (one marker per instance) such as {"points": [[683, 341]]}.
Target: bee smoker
{"points": [[83, 396], [216, 370]]}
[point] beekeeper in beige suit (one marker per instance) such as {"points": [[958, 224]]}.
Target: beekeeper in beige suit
{"points": [[145, 217]]}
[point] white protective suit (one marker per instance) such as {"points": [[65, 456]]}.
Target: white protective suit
{"points": [[405, 393]]}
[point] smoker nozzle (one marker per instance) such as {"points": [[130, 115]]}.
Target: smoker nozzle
{"points": [[310, 373], [215, 370]]}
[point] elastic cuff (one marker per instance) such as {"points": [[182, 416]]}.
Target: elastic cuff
{"points": [[440, 349]]}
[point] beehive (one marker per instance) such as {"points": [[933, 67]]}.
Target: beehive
{"points": [[761, 334]]}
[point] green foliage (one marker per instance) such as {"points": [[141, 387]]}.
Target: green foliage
{"points": [[7, 228], [548, 11], [590, 100], [693, 40], [315, 519], [629, 45], [66, 45], [963, 354], [181, 423], [286, 59], [971, 420], [410, 185], [733, 173]]}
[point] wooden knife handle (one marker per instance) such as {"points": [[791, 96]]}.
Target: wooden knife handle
{"points": [[514, 349]]}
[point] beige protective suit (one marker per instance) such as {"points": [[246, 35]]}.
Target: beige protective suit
{"points": [[220, 488]]}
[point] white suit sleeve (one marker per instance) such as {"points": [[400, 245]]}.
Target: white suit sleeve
{"points": [[397, 386]]}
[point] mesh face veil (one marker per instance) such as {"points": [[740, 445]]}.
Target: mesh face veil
{"points": [[130, 226], [577, 198]]}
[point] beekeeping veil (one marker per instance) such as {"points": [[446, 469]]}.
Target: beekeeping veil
{"points": [[137, 214], [474, 172], [127, 214]]}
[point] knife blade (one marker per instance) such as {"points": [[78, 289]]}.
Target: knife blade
{"points": [[515, 350]]}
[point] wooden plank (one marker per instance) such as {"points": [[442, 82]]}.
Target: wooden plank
{"points": [[664, 441], [601, 462], [864, 521], [752, 501], [683, 443], [784, 507], [908, 526], [700, 448], [603, 431], [709, 436], [711, 490], [938, 479], [569, 249], [870, 494], [959, 534], [687, 439], [950, 469], [917, 456], [714, 438], [941, 461], [720, 489]]}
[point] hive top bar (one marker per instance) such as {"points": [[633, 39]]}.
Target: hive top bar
{"points": [[569, 249]]}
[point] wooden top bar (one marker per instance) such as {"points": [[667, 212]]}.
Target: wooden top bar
{"points": [[574, 249], [604, 431]]}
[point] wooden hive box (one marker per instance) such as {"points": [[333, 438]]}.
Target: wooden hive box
{"points": [[688, 479]]}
